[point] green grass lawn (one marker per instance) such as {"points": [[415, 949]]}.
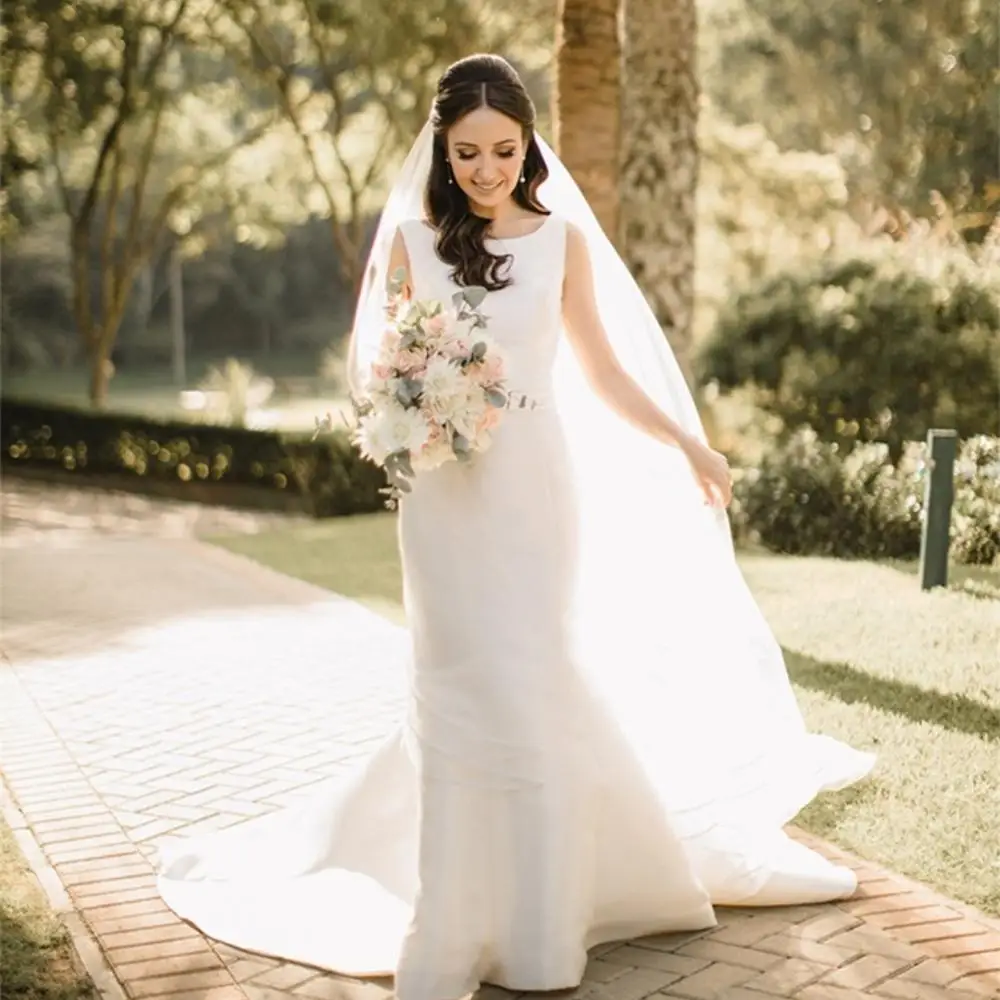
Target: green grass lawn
{"points": [[37, 961], [151, 392], [874, 661]]}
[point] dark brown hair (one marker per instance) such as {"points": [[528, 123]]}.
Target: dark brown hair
{"points": [[471, 83]]}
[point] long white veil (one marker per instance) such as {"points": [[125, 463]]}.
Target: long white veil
{"points": [[664, 627], [671, 662], [624, 477]]}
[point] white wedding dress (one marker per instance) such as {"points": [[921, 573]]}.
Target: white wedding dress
{"points": [[565, 774]]}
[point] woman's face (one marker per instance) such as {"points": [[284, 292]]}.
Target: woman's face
{"points": [[486, 152]]}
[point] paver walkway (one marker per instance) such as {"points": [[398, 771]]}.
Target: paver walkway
{"points": [[153, 687]]}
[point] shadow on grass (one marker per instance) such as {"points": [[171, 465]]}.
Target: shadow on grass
{"points": [[849, 685], [824, 814]]}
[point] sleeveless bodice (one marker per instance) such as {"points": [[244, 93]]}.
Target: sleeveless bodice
{"points": [[525, 317]]}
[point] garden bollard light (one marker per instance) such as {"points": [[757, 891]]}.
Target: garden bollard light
{"points": [[939, 490]]}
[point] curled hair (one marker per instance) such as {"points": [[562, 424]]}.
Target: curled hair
{"points": [[476, 82]]}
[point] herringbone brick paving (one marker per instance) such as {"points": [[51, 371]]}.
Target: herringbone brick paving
{"points": [[155, 688]]}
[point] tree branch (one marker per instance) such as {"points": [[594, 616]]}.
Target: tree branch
{"points": [[140, 179], [167, 34], [110, 285], [330, 81]]}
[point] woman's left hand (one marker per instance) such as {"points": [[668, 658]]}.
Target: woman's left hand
{"points": [[711, 472]]}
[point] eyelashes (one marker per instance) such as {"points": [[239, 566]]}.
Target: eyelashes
{"points": [[507, 154]]}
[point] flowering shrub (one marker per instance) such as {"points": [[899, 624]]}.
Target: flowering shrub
{"points": [[810, 496]]}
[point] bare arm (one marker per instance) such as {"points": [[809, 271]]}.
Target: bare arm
{"points": [[398, 258], [614, 385], [593, 350]]}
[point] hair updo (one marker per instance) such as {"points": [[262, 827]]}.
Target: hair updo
{"points": [[475, 82]]}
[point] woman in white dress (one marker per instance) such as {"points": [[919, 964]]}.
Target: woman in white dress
{"points": [[601, 740]]}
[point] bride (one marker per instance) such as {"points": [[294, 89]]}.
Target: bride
{"points": [[601, 740]]}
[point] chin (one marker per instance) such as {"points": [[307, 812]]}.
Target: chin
{"points": [[492, 198]]}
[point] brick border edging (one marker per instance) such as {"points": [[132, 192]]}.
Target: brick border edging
{"points": [[875, 870], [82, 940], [61, 895]]}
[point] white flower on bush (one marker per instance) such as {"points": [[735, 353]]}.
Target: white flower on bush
{"points": [[446, 388], [391, 428]]}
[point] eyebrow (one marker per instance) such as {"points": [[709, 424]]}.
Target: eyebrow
{"points": [[472, 145]]}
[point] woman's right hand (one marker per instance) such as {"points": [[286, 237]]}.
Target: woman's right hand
{"points": [[711, 472]]}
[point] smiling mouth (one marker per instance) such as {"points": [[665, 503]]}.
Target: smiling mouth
{"points": [[487, 188]]}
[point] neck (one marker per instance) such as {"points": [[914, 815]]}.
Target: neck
{"points": [[495, 213]]}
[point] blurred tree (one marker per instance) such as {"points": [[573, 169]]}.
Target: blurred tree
{"points": [[904, 93], [109, 88], [355, 80], [659, 173], [586, 110], [877, 346]]}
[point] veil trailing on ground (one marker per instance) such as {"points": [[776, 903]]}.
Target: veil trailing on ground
{"points": [[649, 706]]}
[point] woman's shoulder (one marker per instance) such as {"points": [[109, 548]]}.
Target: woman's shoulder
{"points": [[415, 226]]}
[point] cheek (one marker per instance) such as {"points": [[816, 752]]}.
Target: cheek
{"points": [[464, 170]]}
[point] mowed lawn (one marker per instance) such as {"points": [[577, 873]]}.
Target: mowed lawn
{"points": [[914, 676]]}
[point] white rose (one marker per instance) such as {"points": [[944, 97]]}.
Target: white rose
{"points": [[466, 416], [391, 428], [445, 387]]}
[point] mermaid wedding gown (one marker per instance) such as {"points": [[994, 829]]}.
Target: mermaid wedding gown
{"points": [[563, 777]]}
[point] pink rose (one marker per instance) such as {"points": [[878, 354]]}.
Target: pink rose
{"points": [[408, 361], [456, 349], [493, 368], [381, 371], [436, 324], [489, 420]]}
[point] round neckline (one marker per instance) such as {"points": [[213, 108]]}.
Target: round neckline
{"points": [[523, 236]]}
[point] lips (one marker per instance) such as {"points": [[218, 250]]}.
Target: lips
{"points": [[488, 189]]}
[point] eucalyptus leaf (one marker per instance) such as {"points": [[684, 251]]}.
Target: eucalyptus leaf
{"points": [[397, 280], [474, 295], [496, 398], [478, 351], [408, 391], [405, 463]]}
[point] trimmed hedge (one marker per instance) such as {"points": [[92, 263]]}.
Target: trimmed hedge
{"points": [[813, 497], [194, 461]]}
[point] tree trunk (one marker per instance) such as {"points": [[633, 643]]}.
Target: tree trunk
{"points": [[178, 340], [659, 174], [101, 370], [586, 103]]}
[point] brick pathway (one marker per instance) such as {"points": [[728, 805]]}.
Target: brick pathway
{"points": [[155, 687]]}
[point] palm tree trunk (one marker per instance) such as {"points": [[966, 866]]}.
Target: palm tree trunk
{"points": [[659, 173], [586, 106]]}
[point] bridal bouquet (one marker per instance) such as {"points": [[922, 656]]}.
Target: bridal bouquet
{"points": [[435, 391]]}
